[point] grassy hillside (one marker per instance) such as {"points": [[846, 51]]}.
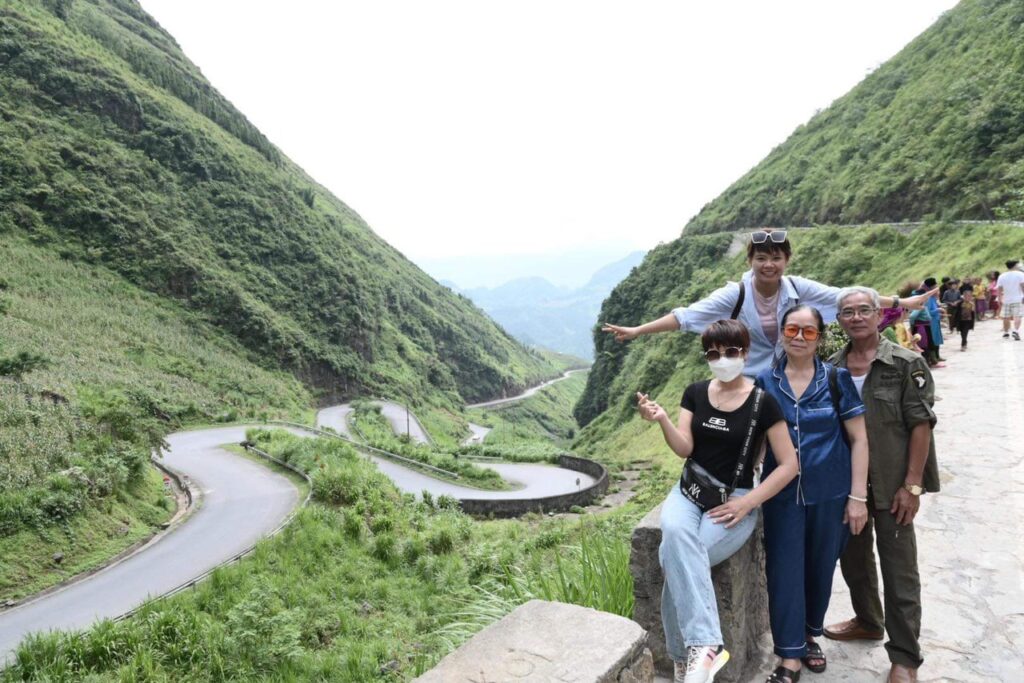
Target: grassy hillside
{"points": [[114, 150], [937, 132], [678, 273]]}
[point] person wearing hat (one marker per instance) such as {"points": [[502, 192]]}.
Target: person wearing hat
{"points": [[758, 300], [949, 297]]}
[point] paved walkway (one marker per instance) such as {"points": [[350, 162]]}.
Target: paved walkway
{"points": [[970, 536]]}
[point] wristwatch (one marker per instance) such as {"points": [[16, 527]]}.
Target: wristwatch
{"points": [[913, 489]]}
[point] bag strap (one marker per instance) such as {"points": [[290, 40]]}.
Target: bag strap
{"points": [[792, 284], [739, 302], [748, 442], [833, 387]]}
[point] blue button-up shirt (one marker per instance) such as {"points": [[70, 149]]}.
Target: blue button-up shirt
{"points": [[719, 304], [816, 431]]}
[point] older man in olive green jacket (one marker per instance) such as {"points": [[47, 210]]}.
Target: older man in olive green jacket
{"points": [[898, 393]]}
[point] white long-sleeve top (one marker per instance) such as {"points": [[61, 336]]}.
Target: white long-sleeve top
{"points": [[719, 304]]}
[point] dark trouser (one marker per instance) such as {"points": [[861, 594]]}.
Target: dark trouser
{"points": [[930, 349], [801, 544], [897, 552], [965, 326]]}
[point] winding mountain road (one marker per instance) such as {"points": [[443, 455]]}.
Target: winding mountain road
{"points": [[241, 502], [528, 393], [531, 480]]}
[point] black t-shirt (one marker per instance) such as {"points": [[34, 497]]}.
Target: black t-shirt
{"points": [[718, 435]]}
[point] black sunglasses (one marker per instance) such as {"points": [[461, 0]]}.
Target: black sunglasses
{"points": [[711, 355], [762, 236]]}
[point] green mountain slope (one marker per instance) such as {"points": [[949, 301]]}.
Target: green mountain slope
{"points": [[937, 132], [115, 150]]}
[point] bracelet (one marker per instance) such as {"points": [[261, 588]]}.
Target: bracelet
{"points": [[858, 499], [895, 302]]}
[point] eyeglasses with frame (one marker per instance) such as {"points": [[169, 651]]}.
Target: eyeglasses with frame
{"points": [[711, 355], [762, 236], [809, 332], [862, 311]]}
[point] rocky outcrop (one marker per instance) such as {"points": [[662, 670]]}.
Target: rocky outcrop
{"points": [[551, 641]]}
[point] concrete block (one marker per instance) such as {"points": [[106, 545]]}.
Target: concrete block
{"points": [[739, 587], [550, 641]]}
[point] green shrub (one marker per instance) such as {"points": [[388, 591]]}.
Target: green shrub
{"points": [[352, 523], [261, 632], [441, 542], [384, 548]]}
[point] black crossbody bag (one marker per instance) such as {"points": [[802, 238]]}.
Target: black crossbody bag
{"points": [[702, 488]]}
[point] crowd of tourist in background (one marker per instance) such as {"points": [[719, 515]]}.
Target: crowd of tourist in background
{"points": [[959, 304]]}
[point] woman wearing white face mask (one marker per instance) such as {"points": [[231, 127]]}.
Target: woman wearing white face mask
{"points": [[712, 512]]}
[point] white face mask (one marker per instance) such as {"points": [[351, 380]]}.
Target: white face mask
{"points": [[727, 369]]}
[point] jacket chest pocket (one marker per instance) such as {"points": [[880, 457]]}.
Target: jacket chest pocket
{"points": [[817, 417], [886, 403]]}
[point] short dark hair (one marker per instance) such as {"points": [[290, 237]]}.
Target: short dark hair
{"points": [[804, 307], [726, 333], [1011, 264], [929, 282], [769, 247]]}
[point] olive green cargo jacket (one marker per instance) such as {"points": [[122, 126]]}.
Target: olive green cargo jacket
{"points": [[899, 393]]}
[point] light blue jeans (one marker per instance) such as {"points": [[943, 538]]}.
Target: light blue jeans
{"points": [[691, 544]]}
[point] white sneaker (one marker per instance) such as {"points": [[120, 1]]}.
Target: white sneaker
{"points": [[702, 663]]}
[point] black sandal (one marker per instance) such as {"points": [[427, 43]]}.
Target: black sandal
{"points": [[814, 654], [783, 675]]}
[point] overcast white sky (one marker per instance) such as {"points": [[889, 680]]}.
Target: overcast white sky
{"points": [[474, 127]]}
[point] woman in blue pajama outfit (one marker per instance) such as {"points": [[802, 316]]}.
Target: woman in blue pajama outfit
{"points": [[807, 524]]}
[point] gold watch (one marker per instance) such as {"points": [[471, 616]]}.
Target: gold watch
{"points": [[913, 489]]}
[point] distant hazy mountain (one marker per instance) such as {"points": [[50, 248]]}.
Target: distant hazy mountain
{"points": [[537, 312], [570, 268]]}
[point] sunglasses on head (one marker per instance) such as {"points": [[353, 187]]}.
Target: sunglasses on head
{"points": [[711, 355], [810, 332], [762, 236]]}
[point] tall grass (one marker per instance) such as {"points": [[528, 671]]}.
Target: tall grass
{"points": [[591, 572]]}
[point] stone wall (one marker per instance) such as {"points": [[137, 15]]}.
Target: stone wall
{"points": [[514, 507], [550, 641], [739, 587]]}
